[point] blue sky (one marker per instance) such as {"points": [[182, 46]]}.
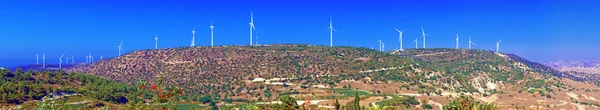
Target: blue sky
{"points": [[537, 30]]}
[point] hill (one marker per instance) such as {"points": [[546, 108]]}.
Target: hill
{"points": [[28, 88], [581, 66], [40, 67], [258, 74]]}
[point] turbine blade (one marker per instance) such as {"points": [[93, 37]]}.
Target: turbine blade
{"points": [[121, 43], [334, 29], [397, 30], [330, 20]]}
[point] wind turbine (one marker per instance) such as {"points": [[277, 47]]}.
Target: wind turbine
{"points": [[498, 45], [256, 38], [60, 61], [100, 57], [91, 58], [471, 42], [44, 61], [212, 34], [156, 41], [423, 31], [120, 48], [37, 59], [72, 59], [400, 32], [456, 41], [67, 61], [251, 26], [416, 41], [87, 59], [381, 45], [193, 37], [331, 31]]}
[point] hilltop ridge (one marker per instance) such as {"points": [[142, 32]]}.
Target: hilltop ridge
{"points": [[247, 74]]}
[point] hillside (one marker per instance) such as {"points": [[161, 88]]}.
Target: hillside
{"points": [[28, 88], [39, 67], [259, 74], [581, 66]]}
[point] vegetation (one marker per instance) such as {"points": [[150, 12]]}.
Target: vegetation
{"points": [[18, 87], [467, 103]]}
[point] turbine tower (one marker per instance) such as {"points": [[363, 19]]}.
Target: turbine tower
{"points": [[91, 58], [37, 61], [72, 59], [100, 57], [381, 45], [60, 61], [120, 48], [498, 45], [67, 61], [416, 41], [400, 32], [44, 61], [251, 26], [256, 32], [212, 34], [331, 29], [193, 36], [87, 59], [456, 41], [156, 41], [471, 42], [423, 31]]}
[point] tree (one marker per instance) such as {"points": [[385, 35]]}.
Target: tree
{"points": [[336, 104], [355, 104], [467, 103], [289, 102]]}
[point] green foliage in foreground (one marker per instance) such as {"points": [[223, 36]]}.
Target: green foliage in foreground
{"points": [[18, 87], [468, 103]]}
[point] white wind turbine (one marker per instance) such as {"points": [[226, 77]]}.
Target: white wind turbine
{"points": [[456, 41], [212, 33], [424, 35], [60, 61], [331, 29], [193, 37], [91, 58], [67, 60], [44, 61], [400, 32], [471, 42], [498, 45], [72, 59], [256, 37], [416, 41], [100, 57], [37, 59], [87, 59], [120, 47], [251, 26], [381, 45], [156, 41]]}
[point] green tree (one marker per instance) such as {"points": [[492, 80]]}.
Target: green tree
{"points": [[289, 103], [468, 103], [336, 104]]}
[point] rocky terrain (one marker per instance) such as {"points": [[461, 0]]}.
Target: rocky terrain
{"points": [[259, 74], [584, 66]]}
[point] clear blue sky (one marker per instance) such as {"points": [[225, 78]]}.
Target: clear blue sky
{"points": [[537, 30]]}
